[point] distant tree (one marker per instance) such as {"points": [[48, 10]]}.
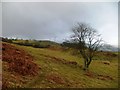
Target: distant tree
{"points": [[7, 40], [88, 42]]}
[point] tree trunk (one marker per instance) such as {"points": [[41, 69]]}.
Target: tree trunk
{"points": [[85, 65], [88, 63]]}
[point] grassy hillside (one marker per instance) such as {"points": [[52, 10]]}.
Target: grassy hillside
{"points": [[36, 43], [61, 69]]}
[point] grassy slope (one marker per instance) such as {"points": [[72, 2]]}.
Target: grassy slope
{"points": [[69, 75]]}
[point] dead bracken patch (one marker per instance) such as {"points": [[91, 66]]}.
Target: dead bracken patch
{"points": [[55, 78], [18, 60], [89, 74], [98, 76], [104, 77]]}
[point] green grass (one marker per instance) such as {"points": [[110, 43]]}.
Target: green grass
{"points": [[72, 75]]}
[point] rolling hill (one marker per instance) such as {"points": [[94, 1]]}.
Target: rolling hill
{"points": [[58, 68]]}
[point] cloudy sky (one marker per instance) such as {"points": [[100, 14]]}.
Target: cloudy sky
{"points": [[54, 20]]}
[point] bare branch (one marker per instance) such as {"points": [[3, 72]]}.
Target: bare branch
{"points": [[88, 41]]}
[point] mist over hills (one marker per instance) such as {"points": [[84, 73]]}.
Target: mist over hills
{"points": [[108, 47]]}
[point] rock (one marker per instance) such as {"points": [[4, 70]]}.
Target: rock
{"points": [[106, 62]]}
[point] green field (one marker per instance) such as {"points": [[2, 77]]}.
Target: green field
{"points": [[56, 72]]}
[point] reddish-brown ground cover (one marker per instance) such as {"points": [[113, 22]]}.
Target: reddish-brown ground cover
{"points": [[18, 60], [55, 78]]}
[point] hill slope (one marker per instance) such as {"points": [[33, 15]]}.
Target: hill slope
{"points": [[61, 69]]}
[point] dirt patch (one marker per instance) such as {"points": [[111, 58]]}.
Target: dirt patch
{"points": [[104, 77], [55, 78], [18, 60], [90, 74], [98, 76]]}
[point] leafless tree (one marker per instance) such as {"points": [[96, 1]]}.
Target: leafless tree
{"points": [[88, 42]]}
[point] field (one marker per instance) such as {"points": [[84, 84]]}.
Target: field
{"points": [[59, 68]]}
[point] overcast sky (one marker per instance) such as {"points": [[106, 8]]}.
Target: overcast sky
{"points": [[54, 21]]}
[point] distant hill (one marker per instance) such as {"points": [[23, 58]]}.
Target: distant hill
{"points": [[107, 47], [47, 44], [33, 43]]}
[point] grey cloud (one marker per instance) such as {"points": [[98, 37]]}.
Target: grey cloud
{"points": [[54, 20]]}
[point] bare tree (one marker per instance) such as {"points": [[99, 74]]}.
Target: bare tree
{"points": [[88, 42]]}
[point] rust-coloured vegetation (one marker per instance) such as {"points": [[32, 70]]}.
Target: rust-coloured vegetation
{"points": [[19, 61]]}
